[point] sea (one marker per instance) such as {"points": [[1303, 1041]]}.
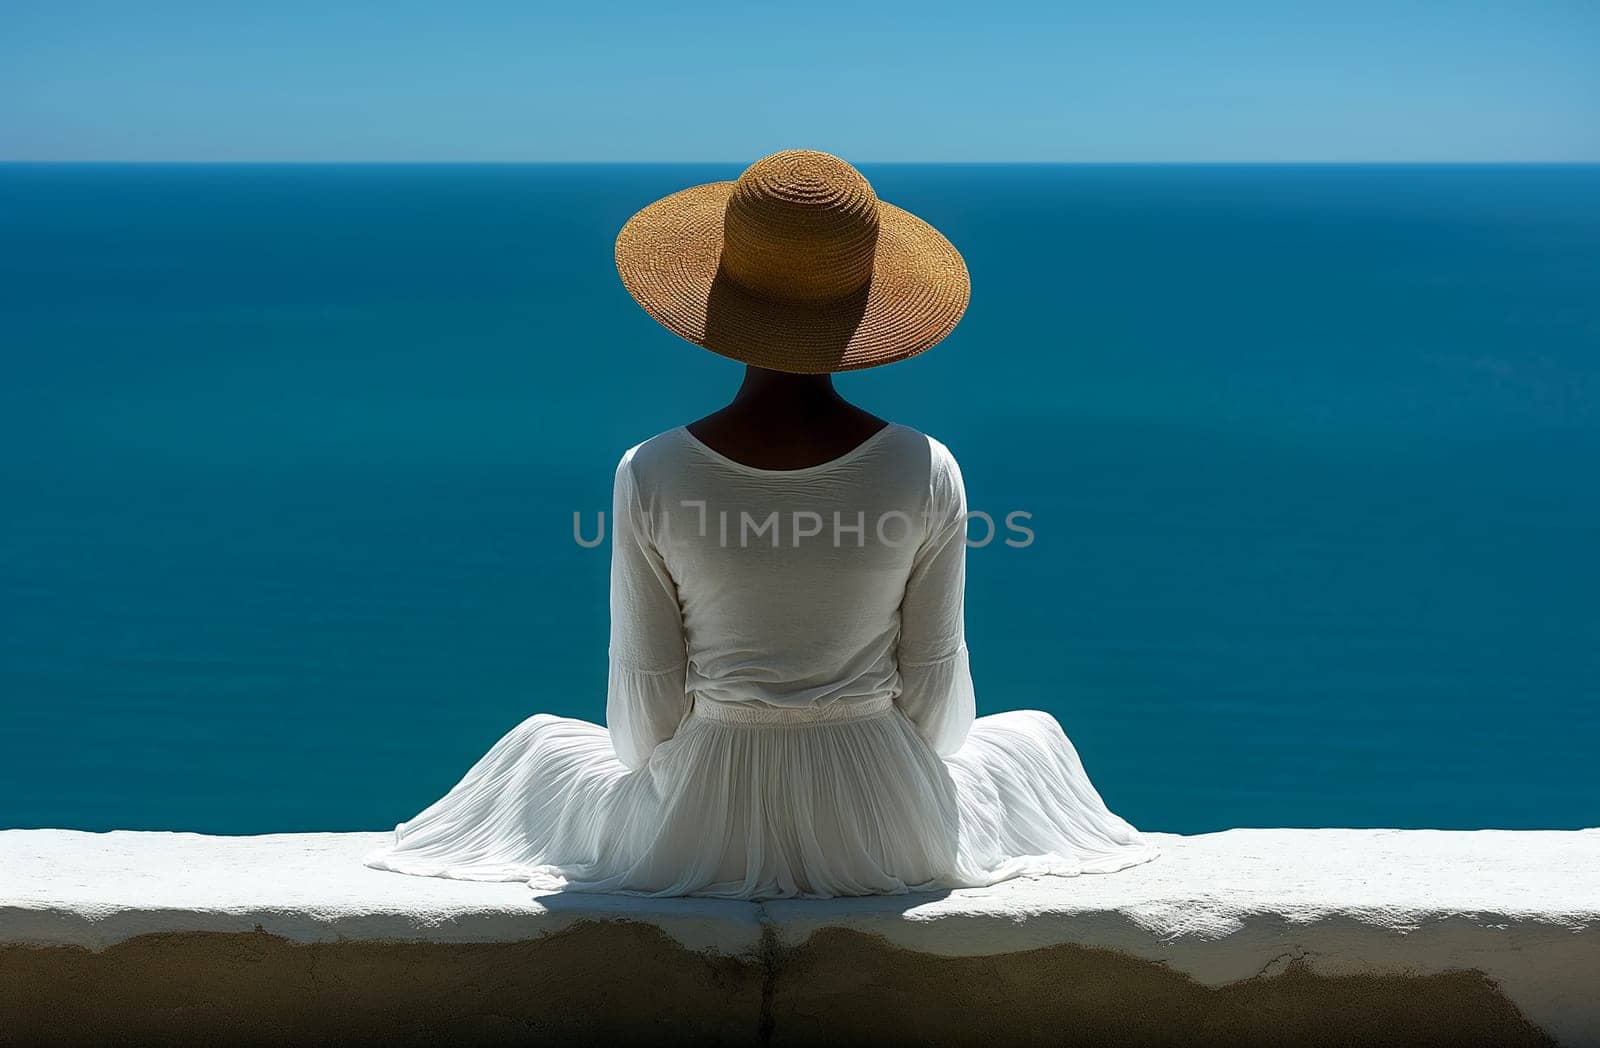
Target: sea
{"points": [[290, 458]]}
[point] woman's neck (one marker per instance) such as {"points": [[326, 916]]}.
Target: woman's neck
{"points": [[783, 421], [778, 395]]}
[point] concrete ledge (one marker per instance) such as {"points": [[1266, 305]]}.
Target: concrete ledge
{"points": [[1243, 937]]}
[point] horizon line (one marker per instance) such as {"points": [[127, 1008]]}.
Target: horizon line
{"points": [[920, 163]]}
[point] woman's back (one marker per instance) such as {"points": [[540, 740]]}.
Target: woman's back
{"points": [[789, 582], [840, 583]]}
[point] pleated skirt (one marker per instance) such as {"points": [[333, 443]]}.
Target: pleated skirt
{"points": [[749, 802]]}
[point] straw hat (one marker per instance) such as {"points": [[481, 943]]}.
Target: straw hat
{"points": [[797, 266]]}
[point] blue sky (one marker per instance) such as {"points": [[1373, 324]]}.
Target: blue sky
{"points": [[517, 81]]}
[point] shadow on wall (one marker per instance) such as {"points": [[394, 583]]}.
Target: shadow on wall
{"points": [[611, 982]]}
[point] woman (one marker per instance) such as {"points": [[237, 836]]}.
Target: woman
{"points": [[790, 711]]}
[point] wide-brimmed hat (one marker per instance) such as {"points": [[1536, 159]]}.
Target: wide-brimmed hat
{"points": [[797, 266]]}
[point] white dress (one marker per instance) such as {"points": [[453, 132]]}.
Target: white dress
{"points": [[790, 712]]}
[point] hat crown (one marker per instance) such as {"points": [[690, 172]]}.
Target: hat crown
{"points": [[801, 226]]}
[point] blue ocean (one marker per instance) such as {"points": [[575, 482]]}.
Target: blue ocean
{"points": [[290, 457]]}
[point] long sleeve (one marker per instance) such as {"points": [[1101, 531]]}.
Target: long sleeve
{"points": [[936, 681], [645, 695]]}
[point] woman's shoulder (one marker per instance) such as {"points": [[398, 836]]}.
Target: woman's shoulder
{"points": [[905, 452], [935, 452], [927, 467], [664, 450]]}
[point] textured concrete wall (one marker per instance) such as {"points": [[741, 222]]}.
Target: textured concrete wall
{"points": [[1246, 937], [612, 982]]}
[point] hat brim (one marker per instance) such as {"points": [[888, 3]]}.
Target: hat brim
{"points": [[669, 257]]}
